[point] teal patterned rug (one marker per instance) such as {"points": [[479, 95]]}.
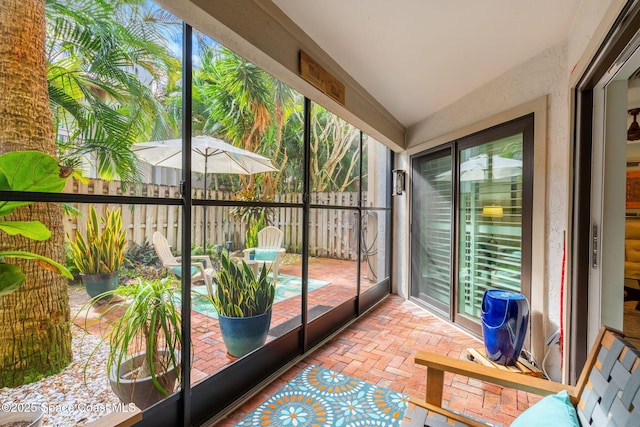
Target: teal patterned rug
{"points": [[287, 287], [320, 397]]}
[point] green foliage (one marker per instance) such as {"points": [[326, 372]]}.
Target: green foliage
{"points": [[71, 266], [11, 278], [30, 229], [198, 250], [27, 171], [141, 260], [239, 292], [251, 239], [256, 217], [248, 214], [242, 104], [100, 251], [150, 321], [107, 62], [142, 254]]}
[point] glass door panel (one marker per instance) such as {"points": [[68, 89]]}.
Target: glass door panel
{"points": [[490, 221], [333, 278], [432, 229]]}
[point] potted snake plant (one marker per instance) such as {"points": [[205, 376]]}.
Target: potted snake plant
{"points": [[99, 254], [244, 302]]}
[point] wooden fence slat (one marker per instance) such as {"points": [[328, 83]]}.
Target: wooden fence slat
{"points": [[322, 225], [332, 232], [218, 224], [137, 223], [167, 230], [341, 244], [151, 221], [331, 226], [287, 223]]}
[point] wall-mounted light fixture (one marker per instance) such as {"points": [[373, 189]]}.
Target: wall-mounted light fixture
{"points": [[398, 182]]}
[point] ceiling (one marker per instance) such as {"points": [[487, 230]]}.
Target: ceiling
{"points": [[417, 56]]}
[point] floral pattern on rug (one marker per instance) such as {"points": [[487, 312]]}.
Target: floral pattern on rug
{"points": [[320, 397]]}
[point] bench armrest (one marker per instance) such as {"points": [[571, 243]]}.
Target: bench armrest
{"points": [[437, 365]]}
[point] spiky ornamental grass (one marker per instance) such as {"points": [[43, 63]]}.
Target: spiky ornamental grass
{"points": [[150, 322]]}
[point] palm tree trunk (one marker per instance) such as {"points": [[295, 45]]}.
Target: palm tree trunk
{"points": [[35, 336]]}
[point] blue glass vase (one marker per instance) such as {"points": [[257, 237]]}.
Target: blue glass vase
{"points": [[505, 317]]}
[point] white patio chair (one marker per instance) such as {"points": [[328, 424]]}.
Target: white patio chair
{"points": [[201, 268], [269, 250]]}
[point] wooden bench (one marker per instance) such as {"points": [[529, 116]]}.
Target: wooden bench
{"points": [[604, 395]]}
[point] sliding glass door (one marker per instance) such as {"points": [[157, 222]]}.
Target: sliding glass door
{"points": [[471, 220], [433, 225], [490, 212]]}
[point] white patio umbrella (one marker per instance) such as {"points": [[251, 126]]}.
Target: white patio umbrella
{"points": [[480, 167], [208, 155]]}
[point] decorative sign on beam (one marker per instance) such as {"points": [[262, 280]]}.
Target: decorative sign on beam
{"points": [[313, 72]]}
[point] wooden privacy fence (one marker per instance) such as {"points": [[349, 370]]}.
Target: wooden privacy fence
{"points": [[333, 232]]}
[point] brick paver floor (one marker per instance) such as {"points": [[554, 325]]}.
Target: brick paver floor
{"points": [[380, 347]]}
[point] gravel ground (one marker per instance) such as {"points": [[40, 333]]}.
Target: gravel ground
{"points": [[69, 398]]}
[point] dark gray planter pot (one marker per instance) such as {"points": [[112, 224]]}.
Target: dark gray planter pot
{"points": [[97, 284], [141, 391], [242, 335]]}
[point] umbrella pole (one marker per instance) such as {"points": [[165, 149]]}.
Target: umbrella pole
{"points": [[204, 212]]}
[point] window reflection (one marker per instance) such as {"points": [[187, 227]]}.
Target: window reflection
{"points": [[490, 220]]}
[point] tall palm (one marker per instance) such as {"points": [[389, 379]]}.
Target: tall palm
{"points": [[263, 114], [286, 101], [35, 337], [108, 66], [247, 106]]}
